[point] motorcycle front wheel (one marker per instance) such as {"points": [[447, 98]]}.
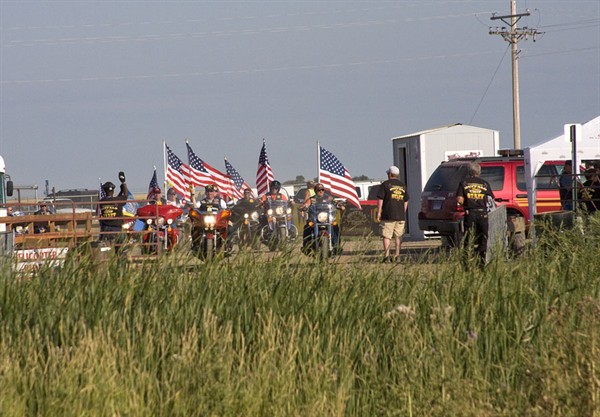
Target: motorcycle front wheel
{"points": [[323, 249], [208, 249]]}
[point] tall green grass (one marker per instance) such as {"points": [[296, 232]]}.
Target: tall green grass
{"points": [[289, 337]]}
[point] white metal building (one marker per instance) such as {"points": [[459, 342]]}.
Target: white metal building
{"points": [[419, 154]]}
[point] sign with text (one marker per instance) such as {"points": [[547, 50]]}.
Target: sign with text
{"points": [[32, 259]]}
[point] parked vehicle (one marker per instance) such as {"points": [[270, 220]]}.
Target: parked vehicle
{"points": [[279, 228], [209, 232], [66, 206], [441, 214], [160, 232], [324, 239]]}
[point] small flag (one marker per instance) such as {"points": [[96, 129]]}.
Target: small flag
{"points": [[336, 177], [264, 174], [238, 185], [175, 173], [153, 187]]}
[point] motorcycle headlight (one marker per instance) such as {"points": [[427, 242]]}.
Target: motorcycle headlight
{"points": [[323, 217], [148, 221], [254, 216], [170, 221], [160, 222], [279, 210], [246, 215], [288, 210], [270, 212], [209, 220]]}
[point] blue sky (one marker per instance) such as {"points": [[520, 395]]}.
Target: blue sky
{"points": [[88, 88]]}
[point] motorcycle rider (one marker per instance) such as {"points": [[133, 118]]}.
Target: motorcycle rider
{"points": [[211, 199], [320, 197], [111, 210], [273, 195], [173, 199], [245, 205]]}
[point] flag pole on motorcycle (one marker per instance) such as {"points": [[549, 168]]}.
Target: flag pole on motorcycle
{"points": [[165, 182], [264, 174]]}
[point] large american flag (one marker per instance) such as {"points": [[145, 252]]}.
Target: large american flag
{"points": [[176, 173], [202, 174], [264, 175], [335, 177], [237, 182]]}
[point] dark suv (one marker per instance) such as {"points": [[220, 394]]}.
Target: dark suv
{"points": [[506, 174]]}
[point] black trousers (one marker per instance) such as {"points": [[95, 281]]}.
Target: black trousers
{"points": [[476, 231]]}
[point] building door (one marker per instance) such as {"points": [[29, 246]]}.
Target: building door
{"points": [[401, 158]]}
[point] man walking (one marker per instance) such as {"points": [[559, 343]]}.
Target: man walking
{"points": [[475, 194], [392, 201]]}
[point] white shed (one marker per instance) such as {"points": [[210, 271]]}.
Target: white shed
{"points": [[419, 154]]}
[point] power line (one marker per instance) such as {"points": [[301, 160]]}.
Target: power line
{"points": [[489, 84], [246, 70]]}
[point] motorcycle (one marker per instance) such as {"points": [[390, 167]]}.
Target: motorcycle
{"points": [[322, 235], [159, 234], [246, 224], [279, 227], [209, 231]]}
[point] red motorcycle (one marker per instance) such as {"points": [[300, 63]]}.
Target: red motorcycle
{"points": [[209, 231], [160, 234]]}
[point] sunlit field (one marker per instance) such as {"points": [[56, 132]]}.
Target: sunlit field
{"points": [[292, 337]]}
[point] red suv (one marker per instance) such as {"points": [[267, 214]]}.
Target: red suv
{"points": [[506, 174]]}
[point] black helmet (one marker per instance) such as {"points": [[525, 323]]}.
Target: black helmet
{"points": [[108, 186], [275, 185], [211, 187]]}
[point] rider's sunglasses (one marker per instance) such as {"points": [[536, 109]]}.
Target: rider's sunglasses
{"points": [[320, 189]]}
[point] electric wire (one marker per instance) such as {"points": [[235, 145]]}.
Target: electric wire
{"points": [[489, 84]]}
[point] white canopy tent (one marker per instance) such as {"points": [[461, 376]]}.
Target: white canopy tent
{"points": [[587, 147]]}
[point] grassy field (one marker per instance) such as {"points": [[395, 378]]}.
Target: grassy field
{"points": [[289, 337]]}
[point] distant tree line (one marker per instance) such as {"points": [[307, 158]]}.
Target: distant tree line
{"points": [[301, 179]]}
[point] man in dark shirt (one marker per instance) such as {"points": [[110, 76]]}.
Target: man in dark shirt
{"points": [[111, 209], [474, 194], [392, 201]]}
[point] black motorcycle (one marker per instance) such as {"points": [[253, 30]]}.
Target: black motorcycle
{"points": [[321, 235], [279, 228], [246, 224]]}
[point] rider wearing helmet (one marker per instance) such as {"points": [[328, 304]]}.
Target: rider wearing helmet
{"points": [[274, 192], [111, 209]]}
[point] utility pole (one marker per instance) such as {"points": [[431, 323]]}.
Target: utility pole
{"points": [[513, 35]]}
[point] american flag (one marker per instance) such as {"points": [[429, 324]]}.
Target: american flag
{"points": [[237, 182], [202, 174], [334, 176], [153, 187], [264, 175], [176, 173]]}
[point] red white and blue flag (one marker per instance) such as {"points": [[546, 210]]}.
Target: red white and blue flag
{"points": [[153, 187], [335, 177], [264, 175], [238, 185], [202, 174], [176, 173]]}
